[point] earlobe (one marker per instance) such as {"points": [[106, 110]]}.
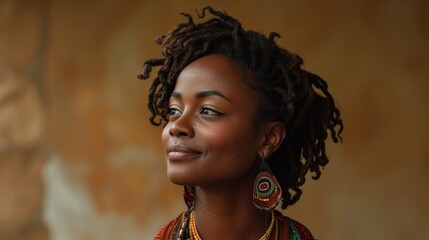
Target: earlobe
{"points": [[274, 134]]}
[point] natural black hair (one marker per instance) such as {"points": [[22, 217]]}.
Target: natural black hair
{"points": [[297, 98]]}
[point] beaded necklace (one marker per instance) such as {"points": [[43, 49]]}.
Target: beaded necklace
{"points": [[183, 228], [266, 236]]}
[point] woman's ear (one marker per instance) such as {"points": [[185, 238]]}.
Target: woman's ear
{"points": [[273, 134]]}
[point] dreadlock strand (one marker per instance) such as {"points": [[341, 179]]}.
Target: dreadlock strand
{"points": [[189, 17], [273, 35]]}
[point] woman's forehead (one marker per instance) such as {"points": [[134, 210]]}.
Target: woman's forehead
{"points": [[213, 73]]}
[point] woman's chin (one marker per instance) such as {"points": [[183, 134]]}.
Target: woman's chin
{"points": [[180, 178]]}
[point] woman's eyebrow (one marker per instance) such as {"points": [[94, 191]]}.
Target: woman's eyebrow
{"points": [[202, 94], [176, 95], [210, 93]]}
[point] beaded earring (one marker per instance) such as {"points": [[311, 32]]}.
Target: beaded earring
{"points": [[266, 190], [189, 196]]}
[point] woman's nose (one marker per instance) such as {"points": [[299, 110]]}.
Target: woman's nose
{"points": [[182, 127]]}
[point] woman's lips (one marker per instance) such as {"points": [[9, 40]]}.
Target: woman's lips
{"points": [[181, 152]]}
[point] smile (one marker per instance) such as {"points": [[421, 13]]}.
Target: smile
{"points": [[181, 152]]}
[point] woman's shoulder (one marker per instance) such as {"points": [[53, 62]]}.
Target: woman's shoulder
{"points": [[293, 228], [170, 229]]}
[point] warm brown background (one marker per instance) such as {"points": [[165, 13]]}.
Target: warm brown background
{"points": [[79, 160]]}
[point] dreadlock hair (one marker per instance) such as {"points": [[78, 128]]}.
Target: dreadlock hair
{"points": [[297, 98]]}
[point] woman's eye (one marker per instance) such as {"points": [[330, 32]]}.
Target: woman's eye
{"points": [[208, 111], [173, 111]]}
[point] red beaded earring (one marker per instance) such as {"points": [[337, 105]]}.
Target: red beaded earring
{"points": [[189, 196], [266, 190]]}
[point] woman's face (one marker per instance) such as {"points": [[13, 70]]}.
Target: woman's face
{"points": [[210, 137]]}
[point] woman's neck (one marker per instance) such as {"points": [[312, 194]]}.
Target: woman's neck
{"points": [[227, 212]]}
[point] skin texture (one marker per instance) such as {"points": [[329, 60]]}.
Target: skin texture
{"points": [[212, 143]]}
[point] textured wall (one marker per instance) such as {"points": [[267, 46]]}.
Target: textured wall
{"points": [[79, 160]]}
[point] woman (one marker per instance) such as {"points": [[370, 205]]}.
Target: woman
{"points": [[243, 124]]}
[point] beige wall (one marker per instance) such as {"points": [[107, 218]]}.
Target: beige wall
{"points": [[79, 160]]}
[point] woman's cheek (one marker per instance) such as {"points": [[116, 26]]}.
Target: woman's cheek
{"points": [[165, 135]]}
